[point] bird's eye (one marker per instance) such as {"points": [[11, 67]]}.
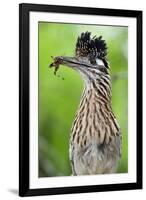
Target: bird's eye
{"points": [[92, 61]]}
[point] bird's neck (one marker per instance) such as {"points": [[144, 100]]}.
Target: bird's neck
{"points": [[99, 89], [95, 106], [95, 122]]}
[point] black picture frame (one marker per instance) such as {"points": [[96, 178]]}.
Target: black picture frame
{"points": [[24, 187]]}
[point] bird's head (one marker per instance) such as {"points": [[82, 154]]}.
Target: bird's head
{"points": [[90, 57]]}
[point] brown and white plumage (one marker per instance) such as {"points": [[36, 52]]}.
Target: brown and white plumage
{"points": [[95, 141]]}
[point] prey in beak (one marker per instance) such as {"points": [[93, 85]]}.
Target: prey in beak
{"points": [[62, 60], [72, 62], [56, 63]]}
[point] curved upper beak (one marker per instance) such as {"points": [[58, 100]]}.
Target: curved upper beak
{"points": [[68, 61]]}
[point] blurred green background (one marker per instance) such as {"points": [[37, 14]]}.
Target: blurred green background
{"points": [[59, 99]]}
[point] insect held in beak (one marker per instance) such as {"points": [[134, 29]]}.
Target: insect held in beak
{"points": [[56, 64]]}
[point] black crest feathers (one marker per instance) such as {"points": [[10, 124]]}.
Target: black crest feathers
{"points": [[93, 47]]}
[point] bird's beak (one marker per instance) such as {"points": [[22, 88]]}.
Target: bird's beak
{"points": [[72, 62]]}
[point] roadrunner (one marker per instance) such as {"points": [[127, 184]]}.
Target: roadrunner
{"points": [[95, 141]]}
